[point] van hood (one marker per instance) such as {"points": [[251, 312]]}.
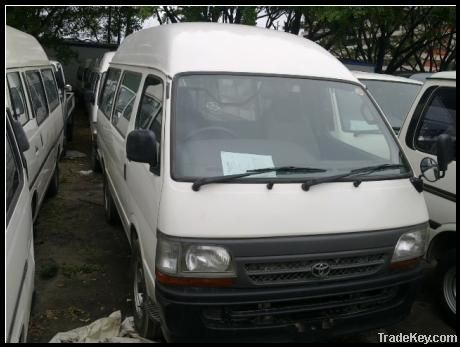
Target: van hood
{"points": [[236, 210]]}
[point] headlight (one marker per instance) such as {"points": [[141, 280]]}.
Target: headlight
{"points": [[192, 260], [207, 259], [410, 245]]}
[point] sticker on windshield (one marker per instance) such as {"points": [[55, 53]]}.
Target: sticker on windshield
{"points": [[236, 163], [359, 91]]}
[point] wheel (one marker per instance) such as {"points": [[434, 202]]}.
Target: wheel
{"points": [[95, 164], [69, 130], [63, 152], [111, 213], [145, 326], [53, 188], [446, 281]]}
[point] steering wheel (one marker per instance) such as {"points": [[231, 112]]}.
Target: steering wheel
{"points": [[211, 129]]}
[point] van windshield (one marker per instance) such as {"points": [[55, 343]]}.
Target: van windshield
{"points": [[394, 98], [229, 124]]}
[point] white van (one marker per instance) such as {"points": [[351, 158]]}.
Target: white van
{"points": [[67, 97], [248, 216], [19, 246], [31, 94], [99, 72], [433, 117], [394, 94]]}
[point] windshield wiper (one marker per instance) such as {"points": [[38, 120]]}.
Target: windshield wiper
{"points": [[226, 178], [363, 170]]}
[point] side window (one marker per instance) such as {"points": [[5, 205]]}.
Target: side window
{"points": [[108, 93], [13, 177], [439, 117], [18, 98], [125, 101], [51, 89], [151, 103], [149, 115], [37, 95]]}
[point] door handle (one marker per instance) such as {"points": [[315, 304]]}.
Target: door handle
{"points": [[124, 171], [36, 149]]}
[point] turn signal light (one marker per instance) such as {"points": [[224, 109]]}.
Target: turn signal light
{"points": [[193, 282]]}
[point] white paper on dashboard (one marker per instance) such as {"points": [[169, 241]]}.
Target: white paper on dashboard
{"points": [[236, 163]]}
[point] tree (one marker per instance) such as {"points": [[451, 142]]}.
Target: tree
{"points": [[387, 37]]}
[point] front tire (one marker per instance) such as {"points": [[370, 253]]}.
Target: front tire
{"points": [[69, 130], [53, 188], [95, 164], [145, 326], [446, 281]]}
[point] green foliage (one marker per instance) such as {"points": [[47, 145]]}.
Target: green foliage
{"points": [[389, 37]]}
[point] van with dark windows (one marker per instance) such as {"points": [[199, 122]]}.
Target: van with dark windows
{"points": [[264, 194]]}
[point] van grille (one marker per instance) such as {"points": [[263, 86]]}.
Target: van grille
{"points": [[272, 314], [286, 272]]}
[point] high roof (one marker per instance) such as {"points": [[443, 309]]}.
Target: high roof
{"points": [[444, 75], [383, 77], [23, 49], [103, 63], [182, 47]]}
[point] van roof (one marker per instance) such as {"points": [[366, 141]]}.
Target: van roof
{"points": [[361, 75], [213, 47], [103, 62], [23, 49], [444, 75]]}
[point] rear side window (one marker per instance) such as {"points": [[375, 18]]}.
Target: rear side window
{"points": [[51, 89], [108, 93], [125, 101], [37, 95], [18, 98], [439, 117], [13, 177]]}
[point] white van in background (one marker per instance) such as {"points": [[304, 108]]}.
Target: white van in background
{"points": [[249, 216], [32, 96], [394, 94], [67, 97], [433, 118], [19, 246], [92, 101]]}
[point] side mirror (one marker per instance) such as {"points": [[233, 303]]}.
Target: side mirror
{"points": [[68, 88], [430, 169], [444, 151], [141, 147]]}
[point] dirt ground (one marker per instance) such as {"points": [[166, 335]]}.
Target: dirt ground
{"points": [[82, 262]]}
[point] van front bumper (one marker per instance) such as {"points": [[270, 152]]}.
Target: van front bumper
{"points": [[288, 313]]}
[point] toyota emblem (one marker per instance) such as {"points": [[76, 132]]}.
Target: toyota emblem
{"points": [[320, 270]]}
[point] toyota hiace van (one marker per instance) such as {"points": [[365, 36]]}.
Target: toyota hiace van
{"points": [[250, 216]]}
